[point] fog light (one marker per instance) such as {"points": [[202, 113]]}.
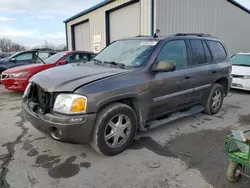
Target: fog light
{"points": [[56, 133]]}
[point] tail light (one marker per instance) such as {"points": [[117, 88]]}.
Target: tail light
{"points": [[230, 68]]}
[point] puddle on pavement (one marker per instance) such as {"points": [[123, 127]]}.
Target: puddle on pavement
{"points": [[46, 161], [83, 155], [244, 119], [27, 145], [32, 153], [85, 165], [150, 144], [204, 150], [65, 170]]}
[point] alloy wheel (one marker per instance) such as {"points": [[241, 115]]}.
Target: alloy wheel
{"points": [[117, 131]]}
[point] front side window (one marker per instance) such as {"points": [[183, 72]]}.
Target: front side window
{"points": [[241, 60], [24, 57], [130, 53], [218, 51], [174, 51], [198, 52]]}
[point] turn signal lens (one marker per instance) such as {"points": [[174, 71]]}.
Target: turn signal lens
{"points": [[78, 105]]}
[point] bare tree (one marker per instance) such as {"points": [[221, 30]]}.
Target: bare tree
{"points": [[60, 47], [6, 45], [17, 47]]}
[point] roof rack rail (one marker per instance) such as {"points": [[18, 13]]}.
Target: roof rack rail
{"points": [[194, 34], [42, 49], [143, 36]]}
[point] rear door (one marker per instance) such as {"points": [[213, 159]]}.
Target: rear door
{"points": [[172, 90], [205, 69]]}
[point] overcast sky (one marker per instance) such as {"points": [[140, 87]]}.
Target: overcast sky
{"points": [[31, 22]]}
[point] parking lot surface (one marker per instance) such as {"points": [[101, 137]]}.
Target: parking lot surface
{"points": [[186, 153]]}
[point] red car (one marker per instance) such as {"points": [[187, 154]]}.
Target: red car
{"points": [[18, 78]]}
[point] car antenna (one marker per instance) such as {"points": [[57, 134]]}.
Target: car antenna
{"points": [[156, 33]]}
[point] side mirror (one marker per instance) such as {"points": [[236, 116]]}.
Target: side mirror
{"points": [[63, 62], [13, 59], [164, 66]]}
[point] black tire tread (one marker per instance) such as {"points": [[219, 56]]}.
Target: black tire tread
{"points": [[207, 104], [100, 117], [230, 172]]}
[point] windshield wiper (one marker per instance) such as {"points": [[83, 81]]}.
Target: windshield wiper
{"points": [[121, 65], [244, 65], [97, 61]]}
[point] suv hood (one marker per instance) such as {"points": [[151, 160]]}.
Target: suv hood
{"points": [[69, 77], [23, 68]]}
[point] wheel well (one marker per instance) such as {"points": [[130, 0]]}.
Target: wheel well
{"points": [[224, 83], [131, 102]]}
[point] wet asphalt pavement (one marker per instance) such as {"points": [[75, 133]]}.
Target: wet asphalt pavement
{"points": [[185, 153]]}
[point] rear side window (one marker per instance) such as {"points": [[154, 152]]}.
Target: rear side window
{"points": [[198, 52], [207, 53], [218, 51]]}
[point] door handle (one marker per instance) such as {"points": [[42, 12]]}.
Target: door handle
{"points": [[214, 71], [188, 76]]}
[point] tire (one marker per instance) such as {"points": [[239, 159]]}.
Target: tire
{"points": [[102, 129], [209, 108], [232, 175]]}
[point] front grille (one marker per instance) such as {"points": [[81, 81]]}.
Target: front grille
{"points": [[40, 101], [237, 76]]}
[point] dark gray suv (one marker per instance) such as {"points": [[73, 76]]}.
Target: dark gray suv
{"points": [[133, 84]]}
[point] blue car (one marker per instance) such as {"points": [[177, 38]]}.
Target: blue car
{"points": [[24, 58]]}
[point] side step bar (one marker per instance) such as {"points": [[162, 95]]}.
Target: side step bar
{"points": [[178, 115]]}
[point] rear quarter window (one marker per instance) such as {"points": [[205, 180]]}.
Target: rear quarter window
{"points": [[218, 51]]}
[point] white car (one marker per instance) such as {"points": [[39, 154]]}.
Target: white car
{"points": [[241, 71]]}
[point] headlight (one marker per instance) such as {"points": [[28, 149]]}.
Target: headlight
{"points": [[70, 104], [246, 77], [27, 90], [19, 74]]}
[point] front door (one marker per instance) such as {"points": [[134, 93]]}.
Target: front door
{"points": [[24, 58], [172, 90]]}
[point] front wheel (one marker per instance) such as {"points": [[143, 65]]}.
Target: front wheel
{"points": [[234, 172], [114, 129], [215, 100]]}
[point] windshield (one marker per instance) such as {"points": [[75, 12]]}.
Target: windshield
{"points": [[130, 53], [54, 58], [13, 55], [241, 60]]}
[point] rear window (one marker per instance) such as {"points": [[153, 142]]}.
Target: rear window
{"points": [[218, 51]]}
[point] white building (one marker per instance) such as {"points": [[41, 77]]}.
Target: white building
{"points": [[110, 20]]}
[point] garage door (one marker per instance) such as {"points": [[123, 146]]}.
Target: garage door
{"points": [[82, 39], [125, 22]]}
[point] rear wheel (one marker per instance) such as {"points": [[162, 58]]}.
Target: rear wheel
{"points": [[234, 172], [114, 130], [215, 100]]}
